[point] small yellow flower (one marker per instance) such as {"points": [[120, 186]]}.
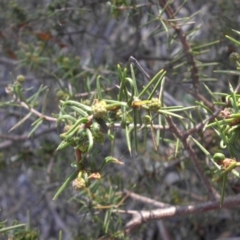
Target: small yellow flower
{"points": [[154, 104], [99, 109], [78, 183]]}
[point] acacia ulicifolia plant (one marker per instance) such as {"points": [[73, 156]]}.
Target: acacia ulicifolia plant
{"points": [[86, 125]]}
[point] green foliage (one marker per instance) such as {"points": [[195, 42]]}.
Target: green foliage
{"points": [[91, 103]]}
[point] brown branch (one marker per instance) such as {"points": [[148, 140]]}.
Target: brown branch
{"points": [[201, 98], [201, 125], [140, 217], [184, 42], [188, 50], [212, 193]]}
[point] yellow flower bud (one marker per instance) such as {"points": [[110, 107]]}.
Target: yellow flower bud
{"points": [[21, 78], [78, 183]]}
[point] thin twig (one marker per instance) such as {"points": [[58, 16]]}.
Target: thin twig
{"points": [[201, 125], [154, 126], [16, 138], [86, 94], [184, 42], [146, 199], [35, 112], [138, 65], [212, 193]]}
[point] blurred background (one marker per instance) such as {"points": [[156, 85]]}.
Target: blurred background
{"points": [[65, 45]]}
